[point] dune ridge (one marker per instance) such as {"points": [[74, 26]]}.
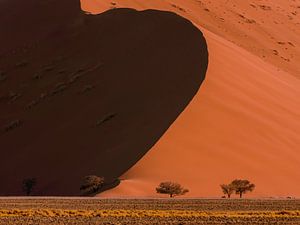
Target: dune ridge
{"points": [[266, 28]]}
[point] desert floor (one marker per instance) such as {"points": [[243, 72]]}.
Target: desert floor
{"points": [[148, 211]]}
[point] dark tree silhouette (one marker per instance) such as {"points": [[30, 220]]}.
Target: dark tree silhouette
{"points": [[171, 188], [28, 185], [228, 189], [91, 184], [242, 186]]}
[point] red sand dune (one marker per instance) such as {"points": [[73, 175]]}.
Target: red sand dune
{"points": [[245, 120], [83, 94]]}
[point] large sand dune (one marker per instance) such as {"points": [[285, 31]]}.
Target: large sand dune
{"points": [[245, 120], [83, 94], [64, 116]]}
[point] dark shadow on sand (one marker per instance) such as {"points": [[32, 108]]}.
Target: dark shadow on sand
{"points": [[88, 94]]}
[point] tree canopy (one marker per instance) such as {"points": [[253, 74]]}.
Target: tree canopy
{"points": [[171, 188], [228, 189], [91, 184], [242, 186]]}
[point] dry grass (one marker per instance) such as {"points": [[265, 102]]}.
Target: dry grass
{"points": [[147, 213], [151, 211]]}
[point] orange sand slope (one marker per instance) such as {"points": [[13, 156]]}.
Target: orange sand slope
{"points": [[269, 29], [245, 120]]}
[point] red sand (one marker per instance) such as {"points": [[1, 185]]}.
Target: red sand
{"points": [[245, 120]]}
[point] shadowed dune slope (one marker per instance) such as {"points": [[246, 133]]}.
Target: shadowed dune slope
{"points": [[245, 121], [83, 94]]}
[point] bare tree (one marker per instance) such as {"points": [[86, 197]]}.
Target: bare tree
{"points": [[28, 185], [228, 189], [171, 188], [91, 184], [242, 186]]}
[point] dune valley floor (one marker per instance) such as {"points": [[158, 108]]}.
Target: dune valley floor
{"points": [[79, 211]]}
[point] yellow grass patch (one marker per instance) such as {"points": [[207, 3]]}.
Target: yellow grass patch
{"points": [[147, 213]]}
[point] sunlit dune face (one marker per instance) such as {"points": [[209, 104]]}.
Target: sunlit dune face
{"points": [[267, 29], [244, 122]]}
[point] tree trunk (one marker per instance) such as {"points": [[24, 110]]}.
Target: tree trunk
{"points": [[229, 195], [241, 194], [171, 195]]}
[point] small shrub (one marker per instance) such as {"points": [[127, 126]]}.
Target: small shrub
{"points": [[171, 188], [28, 185], [91, 184]]}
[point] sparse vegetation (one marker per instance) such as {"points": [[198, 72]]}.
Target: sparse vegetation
{"points": [[240, 187], [228, 189], [28, 185], [171, 188], [148, 211], [91, 184]]}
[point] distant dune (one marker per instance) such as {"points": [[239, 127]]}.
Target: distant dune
{"points": [[83, 94], [245, 120]]}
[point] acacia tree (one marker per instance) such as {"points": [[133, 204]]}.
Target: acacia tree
{"points": [[227, 189], [28, 185], [171, 188], [242, 186], [91, 184]]}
